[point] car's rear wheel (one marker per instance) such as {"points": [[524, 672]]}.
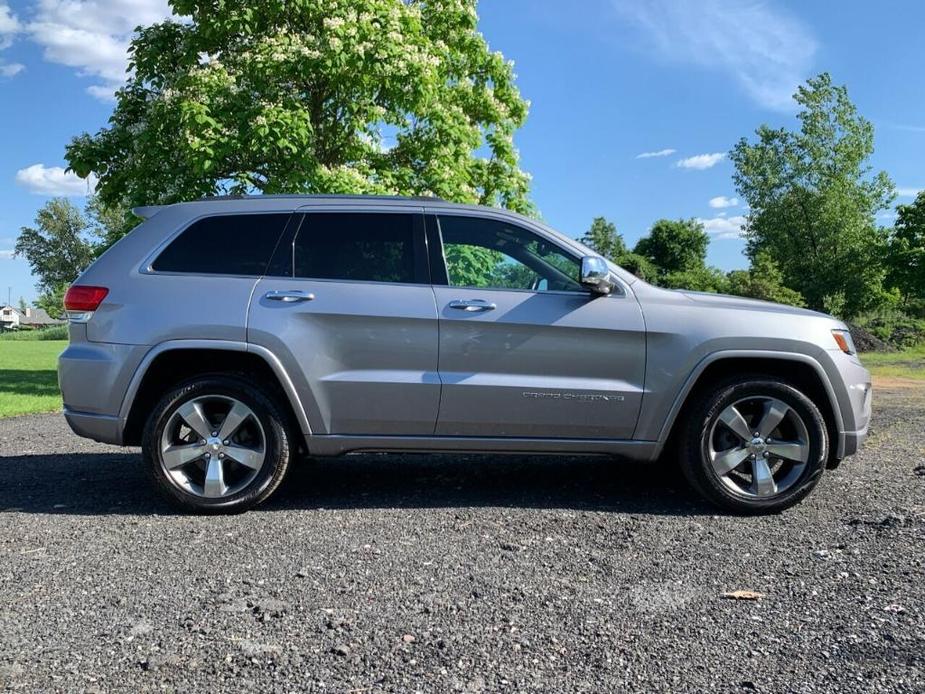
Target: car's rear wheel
{"points": [[216, 444], [754, 445]]}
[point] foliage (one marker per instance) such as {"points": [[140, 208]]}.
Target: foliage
{"points": [[639, 265], [698, 279], [906, 251], [812, 200], [603, 238], [54, 332], [471, 266], [57, 249], [311, 96], [763, 280], [28, 377], [675, 246], [893, 326]]}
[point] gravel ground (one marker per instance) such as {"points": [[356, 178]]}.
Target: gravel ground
{"points": [[444, 574]]}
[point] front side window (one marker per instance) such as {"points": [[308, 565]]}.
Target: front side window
{"points": [[494, 254], [371, 247], [234, 244]]}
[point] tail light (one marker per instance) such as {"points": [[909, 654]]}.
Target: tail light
{"points": [[80, 301]]}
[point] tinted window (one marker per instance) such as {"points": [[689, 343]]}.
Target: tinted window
{"points": [[493, 254], [358, 246], [224, 245]]}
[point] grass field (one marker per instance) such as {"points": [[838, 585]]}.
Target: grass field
{"points": [[28, 376], [29, 381], [907, 364]]}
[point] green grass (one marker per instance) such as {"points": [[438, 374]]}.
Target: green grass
{"points": [[909, 363], [28, 376]]}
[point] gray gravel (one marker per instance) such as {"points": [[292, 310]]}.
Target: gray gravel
{"points": [[443, 574]]}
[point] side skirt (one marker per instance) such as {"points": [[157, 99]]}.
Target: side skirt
{"points": [[335, 444]]}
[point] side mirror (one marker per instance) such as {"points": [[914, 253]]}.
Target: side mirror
{"points": [[595, 274]]}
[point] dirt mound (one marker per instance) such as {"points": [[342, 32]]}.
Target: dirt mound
{"points": [[868, 342]]}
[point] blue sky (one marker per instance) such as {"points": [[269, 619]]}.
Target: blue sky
{"points": [[608, 80]]}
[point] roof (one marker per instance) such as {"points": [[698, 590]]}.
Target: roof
{"points": [[148, 211]]}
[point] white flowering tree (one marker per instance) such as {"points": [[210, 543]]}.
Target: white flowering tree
{"points": [[311, 96]]}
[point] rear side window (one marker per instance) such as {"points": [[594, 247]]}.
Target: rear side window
{"points": [[372, 247], [224, 245]]}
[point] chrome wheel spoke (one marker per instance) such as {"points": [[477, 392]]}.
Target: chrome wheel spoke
{"points": [[789, 450], [725, 462], [195, 418], [762, 480], [233, 420], [733, 419], [178, 456], [214, 485], [248, 457], [774, 413]]}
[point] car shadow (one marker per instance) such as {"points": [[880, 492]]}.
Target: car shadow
{"points": [[116, 483]]}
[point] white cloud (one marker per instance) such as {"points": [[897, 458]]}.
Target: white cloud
{"points": [[6, 254], [765, 49], [701, 161], [721, 201], [9, 26], [908, 192], [659, 153], [53, 180], [93, 36], [724, 227], [11, 69]]}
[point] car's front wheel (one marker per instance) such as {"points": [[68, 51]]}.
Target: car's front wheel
{"points": [[754, 445], [216, 444]]}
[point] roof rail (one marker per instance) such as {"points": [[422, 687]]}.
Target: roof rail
{"points": [[322, 196]]}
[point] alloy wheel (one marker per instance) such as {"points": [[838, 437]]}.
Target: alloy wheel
{"points": [[758, 446], [213, 446]]}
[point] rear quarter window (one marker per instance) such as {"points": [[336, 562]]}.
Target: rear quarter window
{"points": [[224, 245]]}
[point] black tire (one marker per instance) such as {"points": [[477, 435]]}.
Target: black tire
{"points": [[696, 431], [264, 407]]}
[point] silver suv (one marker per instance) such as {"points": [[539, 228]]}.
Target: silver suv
{"points": [[229, 336]]}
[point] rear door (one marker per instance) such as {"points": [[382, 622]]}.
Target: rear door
{"points": [[348, 307], [525, 350]]}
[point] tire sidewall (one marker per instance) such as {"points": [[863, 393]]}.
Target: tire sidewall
{"points": [[266, 412], [706, 479]]}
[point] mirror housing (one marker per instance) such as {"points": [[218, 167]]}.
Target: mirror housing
{"points": [[595, 274]]}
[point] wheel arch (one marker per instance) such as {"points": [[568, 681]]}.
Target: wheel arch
{"points": [[172, 362], [801, 370]]}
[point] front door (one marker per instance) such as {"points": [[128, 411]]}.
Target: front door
{"points": [[525, 350], [351, 313]]}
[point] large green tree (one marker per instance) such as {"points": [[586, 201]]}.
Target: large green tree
{"points": [[604, 238], [311, 96], [812, 200], [57, 249], [675, 245], [906, 251]]}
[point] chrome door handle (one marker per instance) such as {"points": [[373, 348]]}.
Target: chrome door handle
{"points": [[472, 305], [288, 297]]}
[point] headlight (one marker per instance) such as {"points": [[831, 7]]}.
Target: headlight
{"points": [[844, 341]]}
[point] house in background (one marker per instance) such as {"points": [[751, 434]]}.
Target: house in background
{"points": [[12, 318]]}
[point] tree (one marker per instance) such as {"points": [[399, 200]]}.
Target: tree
{"points": [[57, 250], [311, 96], [23, 305], [699, 279], [603, 238], [675, 246], [906, 251], [812, 200], [763, 280]]}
